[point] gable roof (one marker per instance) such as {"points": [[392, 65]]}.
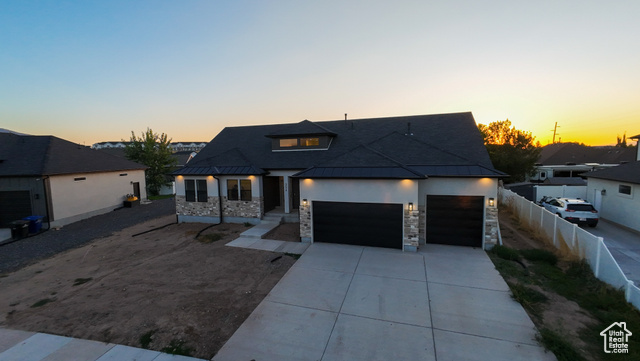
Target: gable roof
{"points": [[629, 173], [563, 153], [380, 143], [30, 155]]}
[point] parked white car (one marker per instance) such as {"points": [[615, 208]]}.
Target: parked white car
{"points": [[573, 210]]}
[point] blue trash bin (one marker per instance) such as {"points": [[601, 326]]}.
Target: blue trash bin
{"points": [[35, 223]]}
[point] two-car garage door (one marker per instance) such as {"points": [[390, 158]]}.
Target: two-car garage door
{"points": [[363, 224]]}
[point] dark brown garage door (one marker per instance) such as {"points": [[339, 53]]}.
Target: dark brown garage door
{"points": [[455, 220], [363, 224], [14, 205]]}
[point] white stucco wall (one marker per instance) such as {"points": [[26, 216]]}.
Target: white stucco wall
{"points": [[487, 187], [99, 193], [359, 190], [614, 206], [212, 187]]}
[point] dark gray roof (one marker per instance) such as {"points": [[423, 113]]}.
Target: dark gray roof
{"points": [[563, 153], [629, 173], [397, 172], [457, 171], [576, 181], [377, 143], [29, 155], [303, 128], [241, 170]]}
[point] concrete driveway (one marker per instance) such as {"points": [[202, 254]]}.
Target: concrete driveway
{"points": [[624, 246], [341, 302]]}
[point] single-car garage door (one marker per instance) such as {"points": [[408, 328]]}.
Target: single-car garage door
{"points": [[363, 224], [14, 205], [455, 220]]}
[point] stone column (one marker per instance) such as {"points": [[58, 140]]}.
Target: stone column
{"points": [[411, 230], [305, 222]]}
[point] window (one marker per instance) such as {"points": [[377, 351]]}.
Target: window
{"points": [[309, 142], [195, 190], [243, 192], [288, 143], [623, 189], [79, 179], [232, 189], [245, 189], [543, 174]]}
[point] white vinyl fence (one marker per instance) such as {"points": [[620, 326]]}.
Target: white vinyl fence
{"points": [[569, 238]]}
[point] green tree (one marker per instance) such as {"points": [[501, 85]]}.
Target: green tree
{"points": [[511, 150], [154, 151]]}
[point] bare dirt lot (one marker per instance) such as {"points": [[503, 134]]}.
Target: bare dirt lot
{"points": [[156, 290]]}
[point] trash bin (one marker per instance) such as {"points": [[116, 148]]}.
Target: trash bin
{"points": [[19, 229], [35, 223]]}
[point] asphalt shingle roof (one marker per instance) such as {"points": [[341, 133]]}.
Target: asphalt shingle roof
{"points": [[629, 173], [563, 153], [376, 143], [30, 155]]}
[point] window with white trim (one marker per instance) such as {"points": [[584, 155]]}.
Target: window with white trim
{"points": [[624, 189], [195, 190]]}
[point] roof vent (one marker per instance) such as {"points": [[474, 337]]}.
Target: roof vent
{"points": [[409, 129]]}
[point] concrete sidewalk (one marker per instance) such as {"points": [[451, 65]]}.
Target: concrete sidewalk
{"points": [[31, 346], [341, 302]]}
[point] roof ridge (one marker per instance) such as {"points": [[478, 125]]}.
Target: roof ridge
{"points": [[424, 143], [393, 160]]}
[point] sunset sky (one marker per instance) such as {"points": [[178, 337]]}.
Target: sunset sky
{"points": [[92, 71]]}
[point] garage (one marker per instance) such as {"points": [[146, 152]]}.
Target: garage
{"points": [[362, 224], [14, 205], [455, 220]]}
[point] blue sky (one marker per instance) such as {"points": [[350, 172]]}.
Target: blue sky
{"points": [[91, 71]]}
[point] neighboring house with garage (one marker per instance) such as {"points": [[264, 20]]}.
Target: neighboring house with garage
{"points": [[61, 181], [615, 193], [394, 182]]}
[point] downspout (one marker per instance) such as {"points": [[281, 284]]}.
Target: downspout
{"points": [[219, 198]]}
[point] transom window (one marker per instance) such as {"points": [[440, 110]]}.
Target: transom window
{"points": [[239, 189], [319, 142], [289, 142], [195, 190]]}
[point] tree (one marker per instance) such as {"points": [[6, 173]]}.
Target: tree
{"points": [[511, 150], [154, 151], [622, 142]]}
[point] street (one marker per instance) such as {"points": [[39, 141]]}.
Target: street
{"points": [[624, 245]]}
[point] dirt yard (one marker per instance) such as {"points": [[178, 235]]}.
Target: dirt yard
{"points": [[160, 290], [558, 313]]}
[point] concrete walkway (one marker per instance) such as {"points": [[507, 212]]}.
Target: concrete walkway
{"points": [[253, 238], [30, 346], [341, 302]]}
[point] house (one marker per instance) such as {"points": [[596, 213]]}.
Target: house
{"points": [[175, 146], [393, 182], [615, 193], [566, 160], [60, 180]]}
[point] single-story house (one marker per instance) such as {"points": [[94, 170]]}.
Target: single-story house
{"points": [[615, 193], [394, 182], [62, 181], [564, 160]]}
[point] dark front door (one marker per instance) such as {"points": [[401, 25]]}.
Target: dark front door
{"points": [[14, 205], [455, 220], [295, 192], [363, 224], [271, 191]]}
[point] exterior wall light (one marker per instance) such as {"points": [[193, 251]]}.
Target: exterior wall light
{"points": [[603, 192], [410, 206], [304, 202], [492, 202]]}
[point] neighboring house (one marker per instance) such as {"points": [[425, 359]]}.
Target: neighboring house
{"points": [[175, 146], [566, 160], [61, 181], [181, 157], [615, 193], [391, 182]]}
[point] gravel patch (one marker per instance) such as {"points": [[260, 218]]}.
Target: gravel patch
{"points": [[16, 255]]}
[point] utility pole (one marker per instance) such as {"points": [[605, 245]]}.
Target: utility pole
{"points": [[554, 133]]}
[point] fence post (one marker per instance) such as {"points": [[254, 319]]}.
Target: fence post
{"points": [[596, 267], [627, 291], [530, 221], [555, 230], [541, 217], [573, 237]]}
